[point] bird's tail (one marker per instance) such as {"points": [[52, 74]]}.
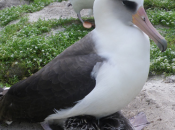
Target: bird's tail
{"points": [[3, 91], [4, 113]]}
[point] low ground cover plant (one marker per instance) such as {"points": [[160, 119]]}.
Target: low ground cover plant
{"points": [[26, 47]]}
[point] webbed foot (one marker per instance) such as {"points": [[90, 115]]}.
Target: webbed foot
{"points": [[139, 121]]}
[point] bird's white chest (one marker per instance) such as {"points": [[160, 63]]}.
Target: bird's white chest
{"points": [[121, 77]]}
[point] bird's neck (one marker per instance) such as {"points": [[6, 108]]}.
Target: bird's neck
{"points": [[127, 43], [113, 17]]}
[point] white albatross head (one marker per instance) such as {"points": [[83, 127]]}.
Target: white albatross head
{"points": [[126, 12]]}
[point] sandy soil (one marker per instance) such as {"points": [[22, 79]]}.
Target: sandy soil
{"points": [[156, 100]]}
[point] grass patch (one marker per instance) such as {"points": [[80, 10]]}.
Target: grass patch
{"points": [[162, 17], [160, 4], [26, 47], [9, 14], [162, 63]]}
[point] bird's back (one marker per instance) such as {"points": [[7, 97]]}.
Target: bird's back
{"points": [[58, 85]]}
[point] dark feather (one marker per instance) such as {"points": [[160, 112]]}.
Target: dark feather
{"points": [[58, 85]]}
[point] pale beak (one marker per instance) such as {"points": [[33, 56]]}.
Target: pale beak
{"points": [[140, 19]]}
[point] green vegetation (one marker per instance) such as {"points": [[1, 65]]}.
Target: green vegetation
{"points": [[9, 14], [160, 16], [159, 4], [26, 47]]}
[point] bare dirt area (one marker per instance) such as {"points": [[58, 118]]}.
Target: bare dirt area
{"points": [[56, 10], [156, 100], [9, 3]]}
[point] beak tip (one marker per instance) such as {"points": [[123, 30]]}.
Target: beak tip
{"points": [[163, 45]]}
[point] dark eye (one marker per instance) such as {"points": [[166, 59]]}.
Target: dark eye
{"points": [[130, 5]]}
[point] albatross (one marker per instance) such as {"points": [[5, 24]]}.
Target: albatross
{"points": [[78, 5], [97, 76]]}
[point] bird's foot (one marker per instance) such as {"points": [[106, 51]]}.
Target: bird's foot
{"points": [[139, 121], [87, 24], [81, 123]]}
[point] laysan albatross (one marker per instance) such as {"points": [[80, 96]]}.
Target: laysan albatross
{"points": [[78, 5], [97, 76]]}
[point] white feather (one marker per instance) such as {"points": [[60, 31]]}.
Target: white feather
{"points": [[121, 77]]}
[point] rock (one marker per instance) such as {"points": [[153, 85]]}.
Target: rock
{"points": [[9, 3]]}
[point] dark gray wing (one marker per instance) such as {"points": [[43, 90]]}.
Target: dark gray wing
{"points": [[62, 82]]}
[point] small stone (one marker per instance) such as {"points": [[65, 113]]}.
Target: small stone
{"points": [[159, 119], [157, 106]]}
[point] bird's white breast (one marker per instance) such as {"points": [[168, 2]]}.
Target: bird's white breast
{"points": [[122, 76], [119, 79]]}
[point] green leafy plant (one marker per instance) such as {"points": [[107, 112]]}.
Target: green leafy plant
{"points": [[166, 18], [160, 4], [27, 47]]}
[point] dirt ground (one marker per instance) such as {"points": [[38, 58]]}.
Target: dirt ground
{"points": [[9, 3], [156, 100]]}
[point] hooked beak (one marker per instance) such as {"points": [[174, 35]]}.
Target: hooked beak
{"points": [[140, 19]]}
